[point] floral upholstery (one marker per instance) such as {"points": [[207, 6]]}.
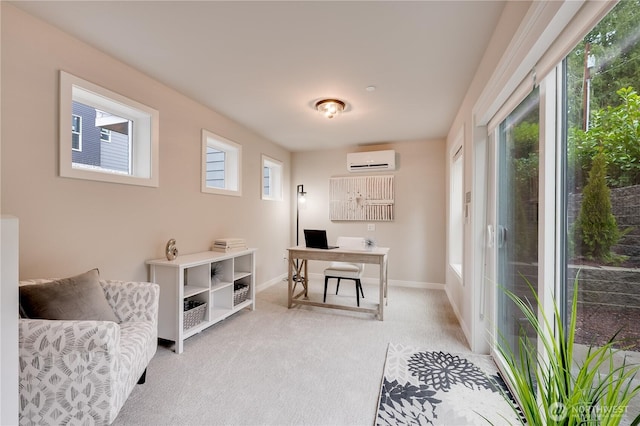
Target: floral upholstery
{"points": [[81, 372]]}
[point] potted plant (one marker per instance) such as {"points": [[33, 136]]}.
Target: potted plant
{"points": [[557, 389]]}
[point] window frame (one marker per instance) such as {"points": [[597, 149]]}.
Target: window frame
{"points": [[232, 162], [79, 133], [107, 133], [275, 178], [456, 206], [145, 144]]}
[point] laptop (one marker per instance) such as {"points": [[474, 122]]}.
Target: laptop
{"points": [[317, 238]]}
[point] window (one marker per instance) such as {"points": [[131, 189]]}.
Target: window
{"points": [[76, 133], [105, 135], [99, 115], [456, 206], [567, 185], [602, 180], [221, 165], [271, 179]]}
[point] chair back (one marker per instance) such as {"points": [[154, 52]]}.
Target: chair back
{"points": [[355, 243]]}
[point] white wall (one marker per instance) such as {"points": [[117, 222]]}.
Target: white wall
{"points": [[69, 226], [416, 236], [467, 296], [9, 321]]}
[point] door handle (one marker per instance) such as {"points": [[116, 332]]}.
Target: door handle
{"points": [[501, 236]]}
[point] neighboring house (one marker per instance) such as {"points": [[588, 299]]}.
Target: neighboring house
{"points": [[100, 146]]}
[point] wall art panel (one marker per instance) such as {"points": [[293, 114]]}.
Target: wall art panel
{"points": [[363, 198]]}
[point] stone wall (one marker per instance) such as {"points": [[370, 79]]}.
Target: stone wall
{"points": [[610, 286], [599, 285]]}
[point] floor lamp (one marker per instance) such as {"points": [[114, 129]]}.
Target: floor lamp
{"points": [[300, 199]]}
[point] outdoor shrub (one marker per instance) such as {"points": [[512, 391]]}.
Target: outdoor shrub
{"points": [[596, 225]]}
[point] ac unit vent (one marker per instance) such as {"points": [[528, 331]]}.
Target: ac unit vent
{"points": [[371, 161]]}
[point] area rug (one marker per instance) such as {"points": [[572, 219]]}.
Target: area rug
{"points": [[430, 387]]}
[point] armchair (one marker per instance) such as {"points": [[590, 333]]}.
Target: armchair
{"points": [[82, 372]]}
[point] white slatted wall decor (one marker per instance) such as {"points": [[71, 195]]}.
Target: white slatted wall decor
{"points": [[366, 198]]}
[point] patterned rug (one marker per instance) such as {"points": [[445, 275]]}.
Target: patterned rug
{"points": [[425, 387]]}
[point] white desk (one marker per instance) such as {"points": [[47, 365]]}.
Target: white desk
{"points": [[377, 255]]}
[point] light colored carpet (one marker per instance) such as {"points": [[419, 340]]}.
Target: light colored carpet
{"points": [[300, 366]]}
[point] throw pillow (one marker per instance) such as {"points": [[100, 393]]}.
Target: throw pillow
{"points": [[75, 298]]}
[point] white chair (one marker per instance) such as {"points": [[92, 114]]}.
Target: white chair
{"points": [[346, 270]]}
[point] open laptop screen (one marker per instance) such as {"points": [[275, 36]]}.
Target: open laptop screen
{"points": [[316, 238]]}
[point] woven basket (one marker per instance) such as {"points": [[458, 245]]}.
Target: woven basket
{"points": [[194, 311], [240, 292]]}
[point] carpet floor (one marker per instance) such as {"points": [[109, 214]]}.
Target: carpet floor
{"points": [[301, 366]]}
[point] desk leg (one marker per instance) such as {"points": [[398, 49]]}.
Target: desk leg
{"points": [[382, 293], [290, 282], [306, 280], [386, 281]]}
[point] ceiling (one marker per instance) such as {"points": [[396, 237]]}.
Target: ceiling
{"points": [[264, 64]]}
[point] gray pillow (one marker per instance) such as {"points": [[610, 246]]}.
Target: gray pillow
{"points": [[75, 298]]}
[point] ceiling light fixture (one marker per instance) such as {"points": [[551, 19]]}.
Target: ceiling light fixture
{"points": [[330, 107]]}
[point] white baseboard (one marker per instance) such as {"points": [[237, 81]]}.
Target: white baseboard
{"points": [[373, 281], [456, 311], [271, 282]]}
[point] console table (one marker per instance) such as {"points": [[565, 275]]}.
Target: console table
{"points": [[209, 280], [299, 256]]}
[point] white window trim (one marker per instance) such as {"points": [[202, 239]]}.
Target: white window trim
{"points": [[145, 140], [233, 164], [455, 243], [275, 178]]}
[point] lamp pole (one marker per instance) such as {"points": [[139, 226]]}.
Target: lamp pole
{"points": [[300, 199]]}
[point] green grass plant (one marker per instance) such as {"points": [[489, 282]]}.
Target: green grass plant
{"points": [[557, 388]]}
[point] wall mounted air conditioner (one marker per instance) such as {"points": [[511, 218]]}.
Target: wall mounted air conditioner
{"points": [[371, 161]]}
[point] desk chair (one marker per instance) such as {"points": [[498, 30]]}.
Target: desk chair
{"points": [[346, 270]]}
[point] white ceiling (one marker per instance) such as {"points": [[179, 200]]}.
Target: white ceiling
{"points": [[264, 63]]}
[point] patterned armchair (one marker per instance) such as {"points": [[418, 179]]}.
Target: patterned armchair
{"points": [[81, 372]]}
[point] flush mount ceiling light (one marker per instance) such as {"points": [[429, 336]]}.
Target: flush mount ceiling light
{"points": [[330, 107]]}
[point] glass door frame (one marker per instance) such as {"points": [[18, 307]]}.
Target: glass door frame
{"points": [[551, 227]]}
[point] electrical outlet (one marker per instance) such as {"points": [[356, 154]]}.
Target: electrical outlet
{"points": [[371, 226]]}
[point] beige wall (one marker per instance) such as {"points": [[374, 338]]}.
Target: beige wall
{"points": [[68, 226], [471, 305], [416, 236]]}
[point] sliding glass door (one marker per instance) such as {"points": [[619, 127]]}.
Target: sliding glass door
{"points": [[517, 217], [567, 204]]}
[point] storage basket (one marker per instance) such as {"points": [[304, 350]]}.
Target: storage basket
{"points": [[240, 292], [194, 311]]}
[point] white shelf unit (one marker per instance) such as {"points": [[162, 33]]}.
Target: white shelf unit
{"points": [[208, 277]]}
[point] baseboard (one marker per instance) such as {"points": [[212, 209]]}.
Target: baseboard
{"points": [[271, 282], [392, 283], [366, 280], [463, 325]]}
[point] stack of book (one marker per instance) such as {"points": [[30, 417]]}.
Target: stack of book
{"points": [[229, 244]]}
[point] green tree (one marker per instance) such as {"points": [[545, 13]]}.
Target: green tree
{"points": [[614, 132], [596, 226], [614, 43]]}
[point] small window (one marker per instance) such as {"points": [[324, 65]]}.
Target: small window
{"points": [[99, 115], [221, 165], [76, 133], [271, 179], [456, 207], [105, 135]]}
